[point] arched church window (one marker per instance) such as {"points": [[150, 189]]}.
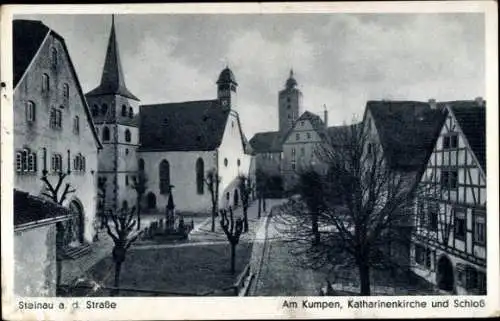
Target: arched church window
{"points": [[127, 135], [238, 162], [95, 110], [130, 112], [105, 134], [225, 162], [124, 111], [164, 177], [141, 164], [200, 176], [104, 109]]}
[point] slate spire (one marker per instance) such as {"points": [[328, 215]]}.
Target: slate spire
{"points": [[112, 80]]}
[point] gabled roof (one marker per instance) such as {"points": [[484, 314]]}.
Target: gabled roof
{"points": [[112, 80], [316, 122], [32, 210], [266, 142], [338, 133], [28, 37], [407, 131], [471, 118], [184, 126]]}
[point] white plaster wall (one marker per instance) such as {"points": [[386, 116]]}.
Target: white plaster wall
{"points": [[182, 176], [35, 269], [38, 134]]}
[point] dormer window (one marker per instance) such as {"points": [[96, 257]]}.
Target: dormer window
{"points": [[130, 112], [124, 111]]}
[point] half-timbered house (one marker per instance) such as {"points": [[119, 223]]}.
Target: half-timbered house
{"points": [[449, 242]]}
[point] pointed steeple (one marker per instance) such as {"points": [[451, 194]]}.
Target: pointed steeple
{"points": [[112, 80], [291, 82]]}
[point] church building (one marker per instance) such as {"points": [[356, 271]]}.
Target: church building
{"points": [[175, 145]]}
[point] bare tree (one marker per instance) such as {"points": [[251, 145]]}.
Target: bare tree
{"points": [[245, 187], [212, 180], [139, 183], [233, 230], [123, 235], [54, 193], [261, 182], [375, 205], [311, 190]]}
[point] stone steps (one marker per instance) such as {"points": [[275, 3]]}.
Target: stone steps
{"points": [[72, 253]]}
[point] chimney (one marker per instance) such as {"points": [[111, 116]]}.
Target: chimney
{"points": [[325, 116], [432, 103], [479, 101]]}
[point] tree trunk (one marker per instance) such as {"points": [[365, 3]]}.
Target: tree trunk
{"points": [[138, 213], [245, 218], [315, 229], [213, 219], [233, 258], [259, 206], [364, 278], [118, 267]]}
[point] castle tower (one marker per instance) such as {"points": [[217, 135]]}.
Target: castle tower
{"points": [[115, 114], [227, 89], [289, 104]]}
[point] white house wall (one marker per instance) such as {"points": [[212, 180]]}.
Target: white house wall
{"points": [[38, 135]]}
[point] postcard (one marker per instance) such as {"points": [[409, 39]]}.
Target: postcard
{"points": [[249, 161]]}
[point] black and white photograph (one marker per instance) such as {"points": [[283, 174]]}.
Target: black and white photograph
{"points": [[325, 154]]}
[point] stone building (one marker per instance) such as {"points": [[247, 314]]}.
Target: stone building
{"points": [[115, 113], [174, 144], [449, 241], [53, 133], [300, 148]]}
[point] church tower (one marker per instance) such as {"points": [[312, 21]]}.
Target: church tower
{"points": [[289, 104], [115, 114], [227, 88]]}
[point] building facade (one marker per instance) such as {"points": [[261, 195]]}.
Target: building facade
{"points": [[53, 129], [115, 113], [449, 243], [182, 142], [54, 140], [301, 148]]}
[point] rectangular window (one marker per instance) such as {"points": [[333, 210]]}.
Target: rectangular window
{"points": [[297, 136], [76, 125], [30, 111], [293, 166], [449, 178], [480, 229], [55, 118], [31, 162], [450, 141], [428, 256], [308, 135], [460, 224], [419, 255], [302, 151], [19, 162], [56, 163]]}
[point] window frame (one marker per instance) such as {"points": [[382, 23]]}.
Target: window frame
{"points": [[76, 125], [460, 229], [30, 111]]}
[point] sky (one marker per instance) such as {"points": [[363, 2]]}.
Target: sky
{"points": [[339, 60]]}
